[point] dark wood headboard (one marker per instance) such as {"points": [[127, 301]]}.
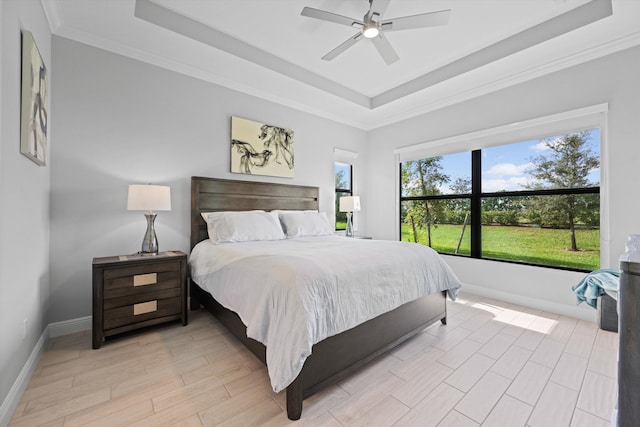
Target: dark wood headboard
{"points": [[213, 194]]}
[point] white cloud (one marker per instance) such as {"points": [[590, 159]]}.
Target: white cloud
{"points": [[506, 176], [544, 144], [508, 169], [540, 146], [514, 183]]}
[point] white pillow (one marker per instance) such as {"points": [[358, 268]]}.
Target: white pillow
{"points": [[210, 230], [278, 212], [298, 224], [243, 227]]}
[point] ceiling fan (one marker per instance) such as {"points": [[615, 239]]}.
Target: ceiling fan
{"points": [[372, 27]]}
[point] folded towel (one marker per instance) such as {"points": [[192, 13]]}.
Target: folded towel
{"points": [[595, 284]]}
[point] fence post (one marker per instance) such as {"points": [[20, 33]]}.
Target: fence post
{"points": [[464, 225]]}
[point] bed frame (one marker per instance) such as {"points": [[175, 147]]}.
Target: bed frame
{"points": [[334, 357]]}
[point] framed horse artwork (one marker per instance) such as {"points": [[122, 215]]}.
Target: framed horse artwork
{"points": [[261, 149]]}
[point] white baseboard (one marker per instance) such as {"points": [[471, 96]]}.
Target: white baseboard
{"points": [[10, 402], [52, 330], [72, 326], [582, 312]]}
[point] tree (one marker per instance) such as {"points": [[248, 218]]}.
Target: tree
{"points": [[341, 179], [458, 209], [566, 166], [461, 186], [423, 178], [503, 210]]}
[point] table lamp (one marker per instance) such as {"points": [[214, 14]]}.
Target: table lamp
{"points": [[149, 198], [349, 205]]}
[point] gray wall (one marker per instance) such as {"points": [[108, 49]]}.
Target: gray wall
{"points": [[121, 121], [24, 205], [612, 80]]}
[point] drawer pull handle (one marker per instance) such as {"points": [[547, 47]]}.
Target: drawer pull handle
{"points": [[145, 307], [145, 279]]}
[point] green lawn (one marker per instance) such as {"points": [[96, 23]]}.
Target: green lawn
{"points": [[527, 244]]}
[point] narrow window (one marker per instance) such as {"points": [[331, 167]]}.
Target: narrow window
{"points": [[344, 187]]}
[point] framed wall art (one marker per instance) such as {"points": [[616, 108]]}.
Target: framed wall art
{"points": [[33, 113], [261, 149]]}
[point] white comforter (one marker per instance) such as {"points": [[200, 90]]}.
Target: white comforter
{"points": [[294, 293]]}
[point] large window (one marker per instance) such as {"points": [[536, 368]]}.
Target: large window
{"points": [[344, 187], [534, 202]]}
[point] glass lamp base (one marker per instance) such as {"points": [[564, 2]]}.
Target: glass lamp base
{"points": [[349, 231], [150, 241]]}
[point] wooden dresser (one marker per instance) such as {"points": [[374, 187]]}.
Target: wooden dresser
{"points": [[135, 291]]}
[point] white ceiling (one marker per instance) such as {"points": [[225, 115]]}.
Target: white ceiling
{"points": [[266, 48]]}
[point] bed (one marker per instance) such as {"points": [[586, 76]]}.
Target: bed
{"points": [[334, 357]]}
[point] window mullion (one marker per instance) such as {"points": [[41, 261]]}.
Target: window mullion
{"points": [[476, 203]]}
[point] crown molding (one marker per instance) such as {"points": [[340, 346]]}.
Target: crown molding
{"points": [[627, 42], [579, 17], [153, 13], [364, 118], [200, 74], [585, 14], [52, 13]]}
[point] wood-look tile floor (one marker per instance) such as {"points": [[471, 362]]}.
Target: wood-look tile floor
{"points": [[493, 364]]}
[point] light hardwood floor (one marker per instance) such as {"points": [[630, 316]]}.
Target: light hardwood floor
{"points": [[493, 364]]}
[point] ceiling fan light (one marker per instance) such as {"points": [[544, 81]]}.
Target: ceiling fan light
{"points": [[370, 31]]}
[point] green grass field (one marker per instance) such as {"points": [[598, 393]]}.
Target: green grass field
{"points": [[526, 244]]}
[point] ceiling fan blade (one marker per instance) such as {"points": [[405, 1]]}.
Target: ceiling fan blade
{"points": [[343, 46], [430, 19], [331, 17], [378, 6], [385, 49]]}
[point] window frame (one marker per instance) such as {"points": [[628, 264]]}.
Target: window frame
{"points": [[342, 192], [538, 128], [475, 198]]}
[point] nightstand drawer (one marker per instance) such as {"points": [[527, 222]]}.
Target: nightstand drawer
{"points": [[141, 275], [123, 301], [145, 310], [140, 283]]}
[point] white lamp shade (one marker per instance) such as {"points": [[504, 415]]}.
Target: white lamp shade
{"points": [[149, 197], [350, 204]]}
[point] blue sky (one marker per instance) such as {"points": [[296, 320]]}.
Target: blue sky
{"points": [[343, 167], [504, 167]]}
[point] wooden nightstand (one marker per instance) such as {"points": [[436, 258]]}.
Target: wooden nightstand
{"points": [[134, 291]]}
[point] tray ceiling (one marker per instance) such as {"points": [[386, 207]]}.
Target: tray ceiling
{"points": [[267, 49]]}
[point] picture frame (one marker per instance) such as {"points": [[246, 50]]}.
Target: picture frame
{"points": [[33, 111], [261, 149]]}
